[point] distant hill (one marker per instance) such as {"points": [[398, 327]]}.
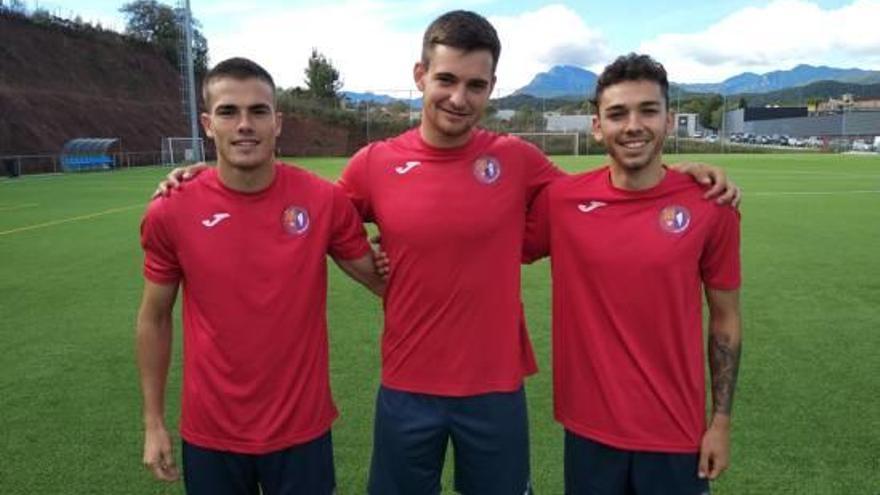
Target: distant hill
{"points": [[355, 97], [561, 81], [821, 90], [782, 79], [565, 81]]}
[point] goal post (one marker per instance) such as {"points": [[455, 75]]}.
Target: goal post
{"points": [[553, 143], [180, 150]]}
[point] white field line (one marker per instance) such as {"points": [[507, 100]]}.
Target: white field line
{"points": [[812, 193], [18, 207], [68, 220], [807, 172]]}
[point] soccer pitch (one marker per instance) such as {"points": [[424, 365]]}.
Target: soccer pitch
{"points": [[806, 417]]}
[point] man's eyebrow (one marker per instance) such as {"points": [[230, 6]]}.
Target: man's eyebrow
{"points": [[616, 107]]}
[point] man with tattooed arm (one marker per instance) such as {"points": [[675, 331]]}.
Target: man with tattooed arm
{"points": [[632, 246]]}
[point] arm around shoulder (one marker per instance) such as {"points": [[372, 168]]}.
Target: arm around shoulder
{"points": [[363, 271]]}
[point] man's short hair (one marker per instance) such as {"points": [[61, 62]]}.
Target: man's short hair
{"points": [[463, 30], [632, 67], [236, 68]]}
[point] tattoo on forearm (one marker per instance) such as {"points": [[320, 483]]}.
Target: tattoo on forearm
{"points": [[724, 365]]}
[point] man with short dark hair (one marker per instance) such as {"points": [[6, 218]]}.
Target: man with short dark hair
{"points": [[248, 240], [632, 245], [449, 200]]}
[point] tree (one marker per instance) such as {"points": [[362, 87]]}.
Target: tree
{"points": [[710, 114], [159, 24], [322, 79]]}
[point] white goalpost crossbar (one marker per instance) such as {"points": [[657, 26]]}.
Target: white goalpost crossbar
{"points": [[540, 138]]}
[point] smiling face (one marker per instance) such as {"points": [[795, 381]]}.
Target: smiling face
{"points": [[242, 122], [455, 86], [632, 121]]}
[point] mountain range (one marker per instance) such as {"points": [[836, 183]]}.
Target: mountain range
{"points": [[356, 98], [566, 80], [573, 83]]}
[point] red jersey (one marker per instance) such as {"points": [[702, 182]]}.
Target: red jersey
{"points": [[254, 275], [628, 271], [452, 223]]}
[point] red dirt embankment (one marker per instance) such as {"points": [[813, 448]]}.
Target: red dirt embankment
{"points": [[58, 83]]}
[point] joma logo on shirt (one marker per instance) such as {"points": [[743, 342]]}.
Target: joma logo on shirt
{"points": [[215, 219], [406, 167]]}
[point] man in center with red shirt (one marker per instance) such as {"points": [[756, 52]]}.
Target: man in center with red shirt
{"points": [[450, 201], [633, 245]]}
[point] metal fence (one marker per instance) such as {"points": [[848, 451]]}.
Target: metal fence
{"points": [[17, 165]]}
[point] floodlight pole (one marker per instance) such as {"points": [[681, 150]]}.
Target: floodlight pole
{"points": [[191, 84]]}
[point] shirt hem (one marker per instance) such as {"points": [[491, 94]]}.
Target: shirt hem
{"points": [[455, 390], [625, 444], [258, 448], [156, 279]]}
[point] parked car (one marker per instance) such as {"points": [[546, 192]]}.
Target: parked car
{"points": [[814, 142], [861, 145], [712, 138]]}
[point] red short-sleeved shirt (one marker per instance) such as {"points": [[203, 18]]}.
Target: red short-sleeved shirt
{"points": [[452, 223], [253, 270], [628, 274]]}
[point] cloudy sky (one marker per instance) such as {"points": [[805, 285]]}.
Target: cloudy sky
{"points": [[374, 43]]}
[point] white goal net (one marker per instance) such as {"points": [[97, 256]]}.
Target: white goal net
{"points": [[553, 143], [180, 150]]}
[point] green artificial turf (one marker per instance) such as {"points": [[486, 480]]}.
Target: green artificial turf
{"points": [[805, 415]]}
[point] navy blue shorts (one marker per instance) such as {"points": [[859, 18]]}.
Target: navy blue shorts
{"points": [[592, 468], [305, 468], [490, 441]]}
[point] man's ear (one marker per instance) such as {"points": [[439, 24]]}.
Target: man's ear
{"points": [[597, 128], [206, 124], [419, 73]]}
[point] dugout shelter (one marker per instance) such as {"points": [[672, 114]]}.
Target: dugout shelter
{"points": [[82, 154]]}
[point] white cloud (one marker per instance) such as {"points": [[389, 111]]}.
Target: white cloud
{"points": [[355, 36], [364, 43], [777, 36], [533, 42]]}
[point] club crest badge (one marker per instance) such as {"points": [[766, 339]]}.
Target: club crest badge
{"points": [[295, 220], [675, 219], [487, 169]]}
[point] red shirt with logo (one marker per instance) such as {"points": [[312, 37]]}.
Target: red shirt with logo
{"points": [[254, 276], [452, 223], [628, 273]]}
